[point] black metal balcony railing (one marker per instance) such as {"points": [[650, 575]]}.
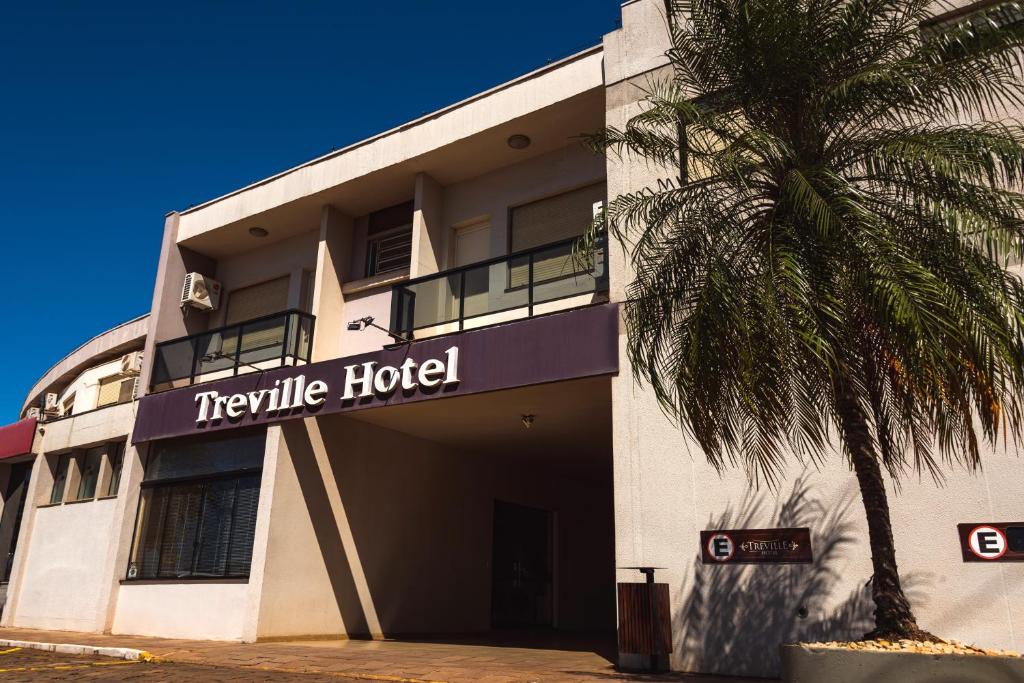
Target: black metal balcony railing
{"points": [[216, 353], [522, 280]]}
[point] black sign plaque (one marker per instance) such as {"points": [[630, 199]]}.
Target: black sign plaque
{"points": [[756, 546], [991, 541]]}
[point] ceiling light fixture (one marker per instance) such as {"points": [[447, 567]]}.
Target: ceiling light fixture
{"points": [[258, 232], [518, 141]]}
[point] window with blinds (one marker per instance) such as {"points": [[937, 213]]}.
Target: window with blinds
{"points": [[197, 510], [250, 303], [550, 220], [115, 389]]}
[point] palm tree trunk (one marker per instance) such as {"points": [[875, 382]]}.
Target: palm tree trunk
{"points": [[894, 619]]}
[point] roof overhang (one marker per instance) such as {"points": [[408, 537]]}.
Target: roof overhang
{"points": [[552, 106]]}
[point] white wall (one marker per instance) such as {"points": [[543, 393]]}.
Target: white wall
{"points": [[488, 197], [86, 387], [65, 569], [730, 619], [109, 424], [192, 609], [290, 257]]}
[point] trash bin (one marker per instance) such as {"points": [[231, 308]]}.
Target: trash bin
{"points": [[645, 624]]}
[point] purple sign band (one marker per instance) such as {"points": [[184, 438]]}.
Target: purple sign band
{"points": [[561, 346]]}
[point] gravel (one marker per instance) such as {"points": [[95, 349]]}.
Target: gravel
{"points": [[950, 647]]}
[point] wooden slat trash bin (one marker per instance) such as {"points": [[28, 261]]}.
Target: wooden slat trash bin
{"points": [[645, 624]]}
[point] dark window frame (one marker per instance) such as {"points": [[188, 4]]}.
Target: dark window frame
{"points": [[97, 453], [115, 461], [60, 473], [180, 483]]}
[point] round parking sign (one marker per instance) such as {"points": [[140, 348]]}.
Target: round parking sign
{"points": [[721, 547], [987, 542]]}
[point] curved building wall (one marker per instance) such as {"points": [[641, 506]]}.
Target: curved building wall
{"points": [[102, 348], [63, 572]]}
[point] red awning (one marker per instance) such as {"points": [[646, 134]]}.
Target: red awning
{"points": [[16, 438]]}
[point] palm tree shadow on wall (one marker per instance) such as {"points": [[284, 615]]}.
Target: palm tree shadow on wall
{"points": [[735, 616]]}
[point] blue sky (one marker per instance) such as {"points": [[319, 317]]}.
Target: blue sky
{"points": [[113, 114]]}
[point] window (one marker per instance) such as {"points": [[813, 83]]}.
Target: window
{"points": [[89, 472], [389, 253], [389, 239], [115, 459], [256, 301], [68, 406], [197, 510], [60, 477], [115, 389], [550, 220], [250, 303]]}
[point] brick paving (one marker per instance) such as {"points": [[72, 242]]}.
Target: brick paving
{"points": [[34, 665], [455, 661]]}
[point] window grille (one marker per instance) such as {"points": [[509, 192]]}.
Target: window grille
{"points": [[389, 253]]}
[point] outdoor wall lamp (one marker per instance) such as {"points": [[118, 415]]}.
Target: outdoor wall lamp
{"points": [[360, 324], [528, 420]]}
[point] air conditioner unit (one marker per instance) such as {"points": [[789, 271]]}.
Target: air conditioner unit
{"points": [[33, 412], [131, 363], [200, 291], [51, 404]]}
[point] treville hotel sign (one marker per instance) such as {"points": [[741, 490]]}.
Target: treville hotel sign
{"points": [[562, 346], [365, 380]]}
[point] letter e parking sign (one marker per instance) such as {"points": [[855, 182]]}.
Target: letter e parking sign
{"points": [[721, 547], [987, 542]]}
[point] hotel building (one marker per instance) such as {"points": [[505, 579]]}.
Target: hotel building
{"points": [[379, 395]]}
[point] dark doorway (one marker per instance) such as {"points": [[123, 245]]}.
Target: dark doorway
{"points": [[522, 594], [10, 520]]}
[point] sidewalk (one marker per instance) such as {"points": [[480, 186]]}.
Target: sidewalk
{"points": [[397, 661]]}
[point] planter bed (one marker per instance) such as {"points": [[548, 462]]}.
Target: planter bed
{"points": [[900, 663]]}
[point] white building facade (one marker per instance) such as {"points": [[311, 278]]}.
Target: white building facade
{"points": [[379, 395]]}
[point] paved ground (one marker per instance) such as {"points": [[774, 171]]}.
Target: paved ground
{"points": [[33, 665], [537, 660]]}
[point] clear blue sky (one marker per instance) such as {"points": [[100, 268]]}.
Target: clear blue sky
{"points": [[113, 114]]}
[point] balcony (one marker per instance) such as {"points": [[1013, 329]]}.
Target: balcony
{"points": [[284, 338], [541, 280]]}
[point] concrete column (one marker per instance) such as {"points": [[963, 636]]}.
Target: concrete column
{"points": [[167, 320], [39, 485], [257, 567], [647, 530], [5, 477], [334, 254], [296, 280], [428, 234], [120, 540]]}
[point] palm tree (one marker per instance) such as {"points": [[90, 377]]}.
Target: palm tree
{"points": [[830, 265]]}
